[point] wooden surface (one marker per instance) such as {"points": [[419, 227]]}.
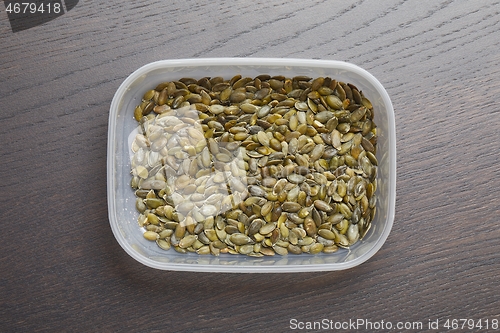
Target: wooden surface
{"points": [[61, 267]]}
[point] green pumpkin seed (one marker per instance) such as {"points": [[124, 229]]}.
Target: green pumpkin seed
{"points": [[240, 239], [151, 235]]}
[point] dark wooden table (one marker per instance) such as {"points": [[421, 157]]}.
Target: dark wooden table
{"points": [[61, 267]]}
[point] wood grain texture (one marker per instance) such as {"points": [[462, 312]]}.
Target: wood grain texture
{"points": [[62, 269]]}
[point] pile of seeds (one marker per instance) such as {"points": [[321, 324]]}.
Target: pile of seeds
{"points": [[255, 166]]}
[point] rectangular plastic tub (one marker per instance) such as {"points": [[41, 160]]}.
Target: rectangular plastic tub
{"points": [[121, 198]]}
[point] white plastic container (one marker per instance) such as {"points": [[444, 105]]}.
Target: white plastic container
{"points": [[121, 198]]}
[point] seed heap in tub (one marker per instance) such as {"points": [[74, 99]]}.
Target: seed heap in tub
{"points": [[255, 166]]}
